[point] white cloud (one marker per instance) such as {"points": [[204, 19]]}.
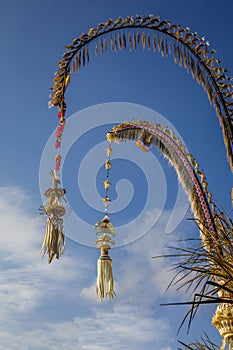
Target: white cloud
{"points": [[49, 306], [139, 279], [26, 278], [119, 329]]}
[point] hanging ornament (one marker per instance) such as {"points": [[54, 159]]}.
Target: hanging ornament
{"points": [[105, 282], [54, 208], [223, 318]]}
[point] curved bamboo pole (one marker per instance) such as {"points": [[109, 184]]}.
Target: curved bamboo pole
{"points": [[189, 51], [212, 262]]}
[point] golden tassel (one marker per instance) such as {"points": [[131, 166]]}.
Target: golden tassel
{"points": [[54, 241], [105, 282], [54, 208]]}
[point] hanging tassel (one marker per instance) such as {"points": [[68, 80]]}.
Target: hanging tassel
{"points": [[55, 207], [105, 282], [54, 241]]}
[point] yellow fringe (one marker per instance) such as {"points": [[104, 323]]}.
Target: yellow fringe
{"points": [[105, 283]]}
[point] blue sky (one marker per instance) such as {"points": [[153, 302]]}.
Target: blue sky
{"points": [[49, 306]]}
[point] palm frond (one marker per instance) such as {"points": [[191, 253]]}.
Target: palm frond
{"points": [[204, 344]]}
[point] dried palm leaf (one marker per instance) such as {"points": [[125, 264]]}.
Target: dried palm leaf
{"points": [[204, 344]]}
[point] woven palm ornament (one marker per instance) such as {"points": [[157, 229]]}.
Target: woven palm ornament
{"points": [[54, 208]]}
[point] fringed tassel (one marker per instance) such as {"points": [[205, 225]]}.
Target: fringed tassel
{"points": [[54, 208], [105, 282], [54, 241]]}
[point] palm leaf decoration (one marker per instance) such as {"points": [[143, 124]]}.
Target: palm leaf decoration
{"points": [[205, 268], [188, 50], [204, 344]]}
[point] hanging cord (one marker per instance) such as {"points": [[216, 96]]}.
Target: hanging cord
{"points": [[107, 183], [59, 133]]}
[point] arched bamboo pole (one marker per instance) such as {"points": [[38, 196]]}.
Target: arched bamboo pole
{"points": [[212, 261], [188, 50]]}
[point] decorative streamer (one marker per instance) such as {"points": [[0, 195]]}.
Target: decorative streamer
{"points": [[105, 282]]}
